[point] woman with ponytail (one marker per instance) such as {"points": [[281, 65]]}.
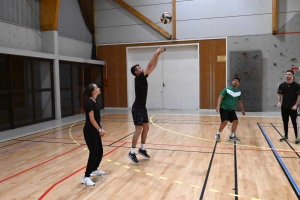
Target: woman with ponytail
{"points": [[93, 131]]}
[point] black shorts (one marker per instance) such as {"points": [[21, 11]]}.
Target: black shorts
{"points": [[139, 115], [227, 115]]}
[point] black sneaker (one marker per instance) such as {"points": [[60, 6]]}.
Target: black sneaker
{"points": [[283, 138], [143, 153], [217, 137], [132, 157], [297, 141], [234, 138]]}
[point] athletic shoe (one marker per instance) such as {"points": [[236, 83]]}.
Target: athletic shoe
{"points": [[297, 141], [217, 137], [97, 173], [234, 138], [283, 138], [143, 153], [87, 181], [133, 158]]}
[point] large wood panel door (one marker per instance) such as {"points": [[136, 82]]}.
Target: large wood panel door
{"points": [[212, 71]]}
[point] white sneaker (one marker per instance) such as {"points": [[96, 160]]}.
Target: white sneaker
{"points": [[97, 173], [87, 181]]}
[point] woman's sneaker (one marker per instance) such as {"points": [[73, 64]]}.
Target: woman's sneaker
{"points": [[97, 173], [87, 181]]}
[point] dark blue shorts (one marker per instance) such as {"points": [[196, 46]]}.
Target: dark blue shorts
{"points": [[139, 115], [227, 115]]}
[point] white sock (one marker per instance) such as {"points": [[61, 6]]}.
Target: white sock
{"points": [[143, 146], [232, 134], [132, 150], [218, 132]]}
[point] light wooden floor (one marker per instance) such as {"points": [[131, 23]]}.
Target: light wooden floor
{"points": [[186, 162]]}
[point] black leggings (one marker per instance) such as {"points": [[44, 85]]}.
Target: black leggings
{"points": [[286, 113], [94, 144]]}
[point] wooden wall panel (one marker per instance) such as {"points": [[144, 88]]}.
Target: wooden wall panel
{"points": [[115, 92]]}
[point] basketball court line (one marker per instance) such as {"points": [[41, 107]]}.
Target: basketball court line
{"points": [[37, 165], [286, 141], [60, 181], [281, 164], [16, 148], [194, 137]]}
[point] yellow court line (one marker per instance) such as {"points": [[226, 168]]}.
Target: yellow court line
{"points": [[212, 190], [242, 145], [178, 182]]}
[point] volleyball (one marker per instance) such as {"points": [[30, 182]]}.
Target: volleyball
{"points": [[166, 18]]}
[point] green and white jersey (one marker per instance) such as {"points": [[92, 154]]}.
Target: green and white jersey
{"points": [[230, 98]]}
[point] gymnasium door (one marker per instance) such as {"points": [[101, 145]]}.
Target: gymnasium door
{"points": [[174, 84]]}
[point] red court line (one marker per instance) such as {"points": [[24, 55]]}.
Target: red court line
{"points": [[38, 164], [205, 147], [55, 184]]}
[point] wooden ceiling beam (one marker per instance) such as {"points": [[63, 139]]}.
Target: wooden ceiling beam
{"points": [[49, 15], [274, 17], [173, 19], [145, 19]]}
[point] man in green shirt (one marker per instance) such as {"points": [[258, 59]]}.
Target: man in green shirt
{"points": [[227, 101]]}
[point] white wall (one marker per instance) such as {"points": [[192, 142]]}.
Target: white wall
{"points": [[196, 19], [74, 48], [175, 78], [18, 37]]}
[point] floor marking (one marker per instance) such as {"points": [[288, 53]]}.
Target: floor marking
{"points": [[235, 195], [164, 178], [178, 182], [228, 143]]}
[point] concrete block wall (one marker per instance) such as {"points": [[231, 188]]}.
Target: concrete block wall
{"points": [[279, 53]]}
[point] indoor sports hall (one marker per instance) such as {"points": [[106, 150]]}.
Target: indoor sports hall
{"points": [[167, 69]]}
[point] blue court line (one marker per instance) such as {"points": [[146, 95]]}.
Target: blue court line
{"points": [[289, 176]]}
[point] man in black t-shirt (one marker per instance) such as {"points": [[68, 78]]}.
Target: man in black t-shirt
{"points": [[139, 111], [289, 93]]}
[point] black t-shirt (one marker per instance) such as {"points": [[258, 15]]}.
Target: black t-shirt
{"points": [[141, 90], [89, 106], [289, 93]]}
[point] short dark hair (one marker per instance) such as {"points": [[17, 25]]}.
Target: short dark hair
{"points": [[237, 78], [289, 70], [133, 69]]}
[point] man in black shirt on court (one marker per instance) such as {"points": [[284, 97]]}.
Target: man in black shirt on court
{"points": [[289, 93], [139, 111]]}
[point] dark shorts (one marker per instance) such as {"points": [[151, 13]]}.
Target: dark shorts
{"points": [[139, 115], [227, 115]]}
